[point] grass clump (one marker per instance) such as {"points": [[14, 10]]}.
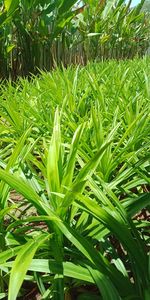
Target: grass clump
{"points": [[75, 146]]}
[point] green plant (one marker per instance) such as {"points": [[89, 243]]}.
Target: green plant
{"points": [[43, 34], [31, 30], [75, 157], [114, 30]]}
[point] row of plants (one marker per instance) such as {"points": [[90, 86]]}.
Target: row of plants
{"points": [[74, 189], [42, 34]]}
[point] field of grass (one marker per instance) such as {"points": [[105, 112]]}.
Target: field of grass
{"points": [[75, 182]]}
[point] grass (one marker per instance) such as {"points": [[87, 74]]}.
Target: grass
{"points": [[75, 146]]}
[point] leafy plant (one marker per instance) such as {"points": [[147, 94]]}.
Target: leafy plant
{"points": [[74, 170], [42, 34]]}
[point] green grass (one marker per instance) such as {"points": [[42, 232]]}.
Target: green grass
{"points": [[75, 144]]}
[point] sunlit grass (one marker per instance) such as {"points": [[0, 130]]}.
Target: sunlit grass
{"points": [[75, 144]]}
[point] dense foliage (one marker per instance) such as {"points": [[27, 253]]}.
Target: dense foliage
{"points": [[43, 33], [74, 190], [146, 6]]}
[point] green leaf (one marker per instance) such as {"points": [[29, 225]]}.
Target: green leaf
{"points": [[21, 264], [116, 224], [54, 159], [4, 188], [7, 254], [68, 174], [80, 179], [49, 266], [27, 191], [135, 205], [98, 260], [6, 210], [3, 295], [11, 5], [10, 48], [65, 6], [106, 288]]}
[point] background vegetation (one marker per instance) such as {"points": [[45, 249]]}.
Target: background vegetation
{"points": [[42, 34]]}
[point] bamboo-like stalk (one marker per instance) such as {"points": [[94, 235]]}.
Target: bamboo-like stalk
{"points": [[48, 36]]}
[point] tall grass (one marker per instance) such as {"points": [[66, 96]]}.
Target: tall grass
{"points": [[42, 34], [74, 191]]}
